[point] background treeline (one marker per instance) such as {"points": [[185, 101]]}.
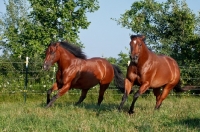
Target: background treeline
{"points": [[28, 26]]}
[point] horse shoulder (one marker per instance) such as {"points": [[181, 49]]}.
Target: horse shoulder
{"points": [[72, 72]]}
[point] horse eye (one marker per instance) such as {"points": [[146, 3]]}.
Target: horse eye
{"points": [[51, 51]]}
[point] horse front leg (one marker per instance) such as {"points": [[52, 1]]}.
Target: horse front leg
{"points": [[142, 89], [49, 91], [135, 97], [102, 90], [53, 99], [128, 86], [62, 91]]}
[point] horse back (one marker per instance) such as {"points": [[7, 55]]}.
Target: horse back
{"points": [[102, 68], [169, 63], [92, 71]]}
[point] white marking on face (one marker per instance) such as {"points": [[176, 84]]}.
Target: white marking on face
{"points": [[134, 41]]}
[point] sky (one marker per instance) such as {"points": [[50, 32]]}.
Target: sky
{"points": [[104, 38]]}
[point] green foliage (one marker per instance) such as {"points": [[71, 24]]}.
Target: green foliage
{"points": [[112, 60], [13, 72], [27, 30], [61, 20], [12, 27], [190, 75], [122, 61]]}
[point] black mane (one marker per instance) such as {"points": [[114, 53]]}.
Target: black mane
{"points": [[75, 50], [140, 36]]}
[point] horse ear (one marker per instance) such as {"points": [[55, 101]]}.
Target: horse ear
{"points": [[57, 44], [143, 37]]}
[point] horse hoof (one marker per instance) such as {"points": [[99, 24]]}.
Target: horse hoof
{"points": [[130, 112], [119, 109], [48, 106], [77, 103], [99, 104]]}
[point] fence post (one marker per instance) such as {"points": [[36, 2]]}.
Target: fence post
{"points": [[54, 70], [26, 80]]}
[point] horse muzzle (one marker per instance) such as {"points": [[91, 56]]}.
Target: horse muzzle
{"points": [[134, 58], [46, 66]]}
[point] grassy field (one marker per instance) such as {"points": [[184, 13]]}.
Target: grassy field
{"points": [[176, 114]]}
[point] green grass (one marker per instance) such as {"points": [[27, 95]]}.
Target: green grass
{"points": [[176, 114]]}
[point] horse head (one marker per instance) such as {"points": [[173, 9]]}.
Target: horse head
{"points": [[52, 55], [136, 46]]}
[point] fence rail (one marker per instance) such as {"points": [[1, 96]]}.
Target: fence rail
{"points": [[12, 78]]}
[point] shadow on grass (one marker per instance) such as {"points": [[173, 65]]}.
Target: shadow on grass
{"points": [[193, 123], [89, 106]]}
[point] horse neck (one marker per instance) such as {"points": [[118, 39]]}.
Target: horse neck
{"points": [[144, 55], [65, 59]]}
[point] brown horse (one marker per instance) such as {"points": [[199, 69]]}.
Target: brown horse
{"points": [[75, 71], [150, 71]]}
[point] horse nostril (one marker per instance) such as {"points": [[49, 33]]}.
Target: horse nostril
{"points": [[45, 66], [136, 57]]}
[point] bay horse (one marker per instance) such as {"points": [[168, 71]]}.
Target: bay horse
{"points": [[150, 70], [76, 71]]}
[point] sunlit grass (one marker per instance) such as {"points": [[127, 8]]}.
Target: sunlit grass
{"points": [[176, 114]]}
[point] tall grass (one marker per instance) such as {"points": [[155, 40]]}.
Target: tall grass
{"points": [[176, 114]]}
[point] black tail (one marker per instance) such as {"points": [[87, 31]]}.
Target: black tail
{"points": [[178, 88], [118, 78]]}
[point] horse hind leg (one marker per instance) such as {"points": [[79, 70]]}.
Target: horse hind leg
{"points": [[102, 90], [83, 96], [157, 93], [164, 94]]}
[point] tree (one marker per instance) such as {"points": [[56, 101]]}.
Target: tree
{"points": [[112, 60], [12, 26], [62, 19], [28, 31], [170, 27]]}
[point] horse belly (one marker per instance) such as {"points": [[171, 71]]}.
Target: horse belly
{"points": [[158, 83], [162, 77], [85, 82]]}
